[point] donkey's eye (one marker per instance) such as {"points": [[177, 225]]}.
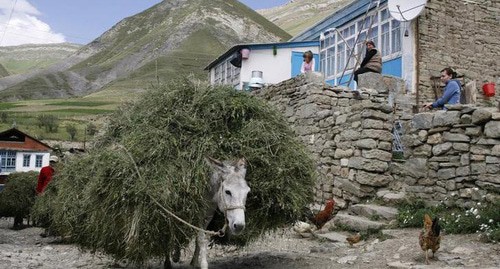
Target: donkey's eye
{"points": [[228, 193]]}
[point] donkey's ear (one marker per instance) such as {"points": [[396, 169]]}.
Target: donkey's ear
{"points": [[241, 164], [214, 162]]}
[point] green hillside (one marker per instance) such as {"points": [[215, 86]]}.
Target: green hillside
{"points": [[298, 15], [24, 58], [171, 39]]}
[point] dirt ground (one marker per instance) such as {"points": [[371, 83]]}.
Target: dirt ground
{"points": [[284, 249]]}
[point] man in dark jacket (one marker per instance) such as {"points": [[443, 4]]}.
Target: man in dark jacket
{"points": [[45, 175], [371, 63]]}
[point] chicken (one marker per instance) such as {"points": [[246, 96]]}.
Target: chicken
{"points": [[353, 239], [323, 216], [430, 237]]}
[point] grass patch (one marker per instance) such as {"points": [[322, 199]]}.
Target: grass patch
{"points": [[8, 105], [484, 218], [80, 103], [70, 111]]}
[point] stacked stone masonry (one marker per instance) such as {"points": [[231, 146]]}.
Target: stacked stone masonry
{"points": [[350, 139], [454, 153], [464, 35]]}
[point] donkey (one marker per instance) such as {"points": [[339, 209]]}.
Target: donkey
{"points": [[228, 192]]}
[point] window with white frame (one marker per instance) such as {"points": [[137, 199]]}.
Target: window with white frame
{"points": [[340, 49], [8, 160], [226, 73], [38, 161], [26, 160]]}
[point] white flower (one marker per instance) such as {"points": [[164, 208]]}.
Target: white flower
{"points": [[478, 216], [490, 221], [475, 211], [478, 203], [476, 188]]}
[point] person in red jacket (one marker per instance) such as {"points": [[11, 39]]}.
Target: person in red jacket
{"points": [[45, 175]]}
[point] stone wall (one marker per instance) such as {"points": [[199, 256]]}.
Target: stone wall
{"points": [[350, 139], [452, 155], [464, 35]]}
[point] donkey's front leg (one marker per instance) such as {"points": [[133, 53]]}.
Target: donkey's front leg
{"points": [[200, 252]]}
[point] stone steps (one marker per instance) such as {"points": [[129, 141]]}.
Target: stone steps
{"points": [[375, 211], [357, 223], [364, 217]]}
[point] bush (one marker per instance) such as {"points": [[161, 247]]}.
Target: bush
{"points": [[49, 122], [91, 129], [106, 204], [71, 129], [4, 117], [18, 195], [483, 218]]}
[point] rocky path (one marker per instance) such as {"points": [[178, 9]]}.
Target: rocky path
{"points": [[283, 249]]}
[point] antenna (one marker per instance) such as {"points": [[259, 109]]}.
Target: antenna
{"points": [[406, 10]]}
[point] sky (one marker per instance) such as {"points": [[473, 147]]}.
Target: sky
{"points": [[75, 21]]}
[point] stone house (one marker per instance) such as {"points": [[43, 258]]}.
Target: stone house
{"points": [[464, 35]]}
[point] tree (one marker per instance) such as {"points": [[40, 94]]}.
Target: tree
{"points": [[49, 122], [4, 117], [71, 129]]}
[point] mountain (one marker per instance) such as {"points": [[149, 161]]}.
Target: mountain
{"points": [[3, 71], [24, 58], [171, 39], [298, 15]]}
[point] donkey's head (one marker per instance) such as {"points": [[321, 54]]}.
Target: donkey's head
{"points": [[230, 191]]}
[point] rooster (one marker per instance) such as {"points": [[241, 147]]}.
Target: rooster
{"points": [[430, 237], [319, 219]]}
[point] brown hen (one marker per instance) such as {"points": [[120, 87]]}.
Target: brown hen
{"points": [[430, 237]]}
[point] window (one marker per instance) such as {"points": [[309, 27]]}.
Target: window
{"points": [[334, 52], [229, 73], [385, 36], [217, 77], [38, 160], [395, 36], [26, 160], [8, 160]]}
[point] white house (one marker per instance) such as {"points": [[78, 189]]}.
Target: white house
{"points": [[20, 152], [276, 61]]}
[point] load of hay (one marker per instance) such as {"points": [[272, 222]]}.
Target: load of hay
{"points": [[18, 196], [153, 150]]}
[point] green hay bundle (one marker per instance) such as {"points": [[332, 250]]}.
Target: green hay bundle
{"points": [[155, 149], [18, 195]]}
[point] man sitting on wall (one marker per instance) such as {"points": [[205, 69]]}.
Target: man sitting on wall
{"points": [[371, 63], [451, 93]]}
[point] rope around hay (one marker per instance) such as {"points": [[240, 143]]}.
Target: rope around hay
{"points": [[219, 233]]}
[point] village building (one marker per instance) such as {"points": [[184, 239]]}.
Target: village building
{"points": [[19, 152], [463, 35], [270, 63]]}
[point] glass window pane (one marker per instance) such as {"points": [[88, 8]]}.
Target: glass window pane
{"points": [[396, 40], [386, 46], [384, 14]]}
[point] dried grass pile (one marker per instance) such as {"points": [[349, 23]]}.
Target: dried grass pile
{"points": [[154, 148], [18, 195]]}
